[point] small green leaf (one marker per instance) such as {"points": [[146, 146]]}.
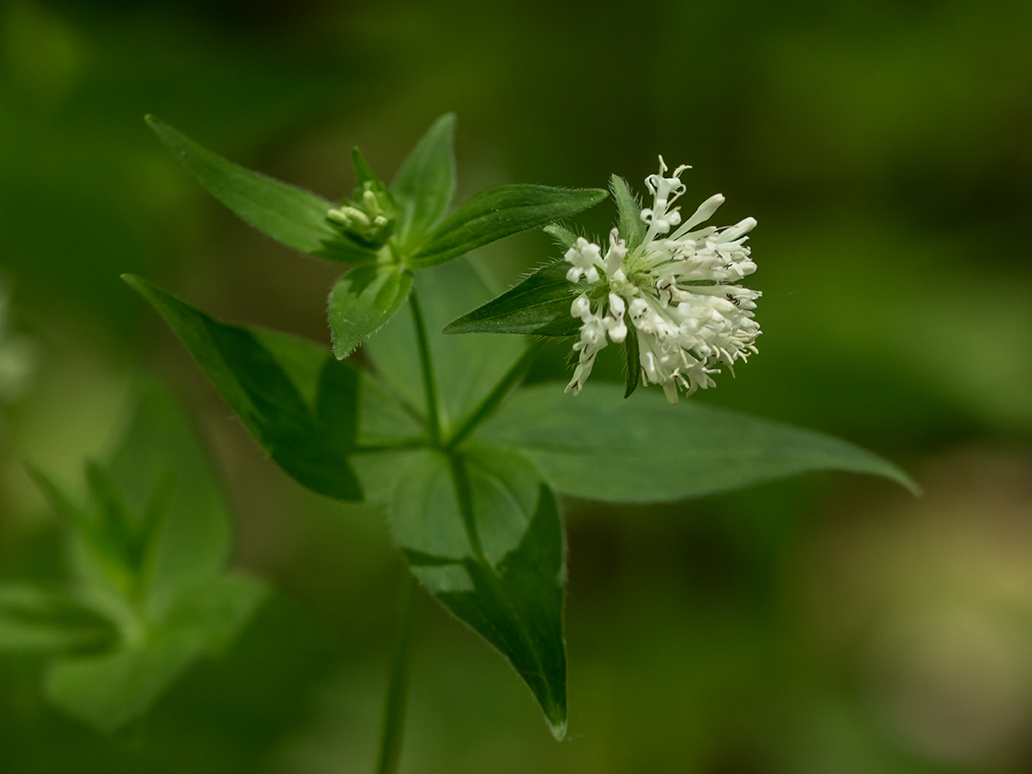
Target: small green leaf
{"points": [[425, 183], [539, 305], [35, 620], [600, 447], [287, 214], [363, 300], [632, 229], [500, 212], [311, 442], [482, 534]]}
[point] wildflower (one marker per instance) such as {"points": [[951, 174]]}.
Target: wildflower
{"points": [[678, 287]]}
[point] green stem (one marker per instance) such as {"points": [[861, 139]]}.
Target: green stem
{"points": [[490, 403], [397, 687], [429, 385], [463, 493]]}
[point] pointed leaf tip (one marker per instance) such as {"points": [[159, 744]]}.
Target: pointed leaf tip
{"points": [[288, 214]]}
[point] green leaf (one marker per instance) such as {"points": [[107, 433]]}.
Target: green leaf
{"points": [[425, 183], [109, 690], [482, 534], [148, 561], [466, 367], [600, 447], [632, 229], [500, 212], [287, 214], [35, 620], [363, 300], [633, 363], [180, 520], [311, 441], [539, 305]]}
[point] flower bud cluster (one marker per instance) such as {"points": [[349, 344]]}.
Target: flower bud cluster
{"points": [[369, 219], [678, 288]]}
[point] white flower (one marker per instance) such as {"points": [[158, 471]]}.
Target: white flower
{"points": [[678, 289]]}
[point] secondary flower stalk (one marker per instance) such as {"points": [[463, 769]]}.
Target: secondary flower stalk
{"points": [[678, 287]]}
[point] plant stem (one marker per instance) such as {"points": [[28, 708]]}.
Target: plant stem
{"points": [[429, 385], [463, 493], [397, 687], [490, 403]]}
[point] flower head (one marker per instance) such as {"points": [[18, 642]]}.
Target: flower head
{"points": [[678, 288]]}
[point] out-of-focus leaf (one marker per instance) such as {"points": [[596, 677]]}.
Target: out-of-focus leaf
{"points": [[600, 447], [35, 620], [425, 182], [482, 534], [287, 214], [539, 305], [632, 229], [216, 611], [109, 690], [466, 367], [181, 520], [148, 563], [311, 441], [363, 300], [500, 212]]}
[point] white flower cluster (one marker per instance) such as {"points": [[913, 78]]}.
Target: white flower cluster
{"points": [[679, 290]]}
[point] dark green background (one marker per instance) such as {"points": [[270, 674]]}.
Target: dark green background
{"points": [[830, 624]]}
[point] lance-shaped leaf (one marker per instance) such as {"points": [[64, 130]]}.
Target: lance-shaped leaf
{"points": [[297, 401], [482, 534], [500, 212], [539, 305], [600, 447], [425, 182], [288, 214], [363, 300]]}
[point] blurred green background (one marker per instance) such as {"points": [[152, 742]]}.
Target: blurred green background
{"points": [[828, 624]]}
